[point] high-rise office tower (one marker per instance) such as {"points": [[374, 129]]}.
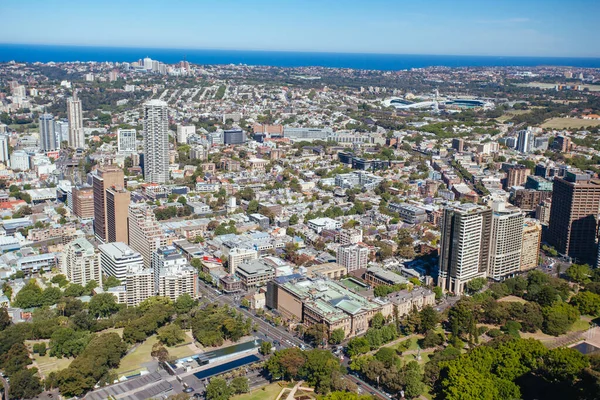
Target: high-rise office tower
{"points": [[126, 140], [505, 241], [83, 202], [4, 139], [61, 131], [156, 142], [117, 205], [145, 234], [573, 216], [80, 262], [524, 141], [75, 114], [111, 202], [464, 245], [47, 135]]}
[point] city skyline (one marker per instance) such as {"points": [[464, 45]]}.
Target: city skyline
{"points": [[510, 28]]}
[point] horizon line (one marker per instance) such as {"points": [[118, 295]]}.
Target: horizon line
{"points": [[291, 51]]}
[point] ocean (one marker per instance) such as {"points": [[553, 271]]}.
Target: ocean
{"points": [[383, 62]]}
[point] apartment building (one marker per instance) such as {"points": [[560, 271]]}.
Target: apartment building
{"points": [[117, 259], [80, 263]]}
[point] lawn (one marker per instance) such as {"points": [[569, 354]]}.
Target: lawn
{"points": [[268, 392], [510, 114], [580, 325], [141, 355], [513, 299], [47, 364], [564, 123]]}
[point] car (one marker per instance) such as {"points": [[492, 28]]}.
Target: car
{"points": [[188, 390], [197, 396]]}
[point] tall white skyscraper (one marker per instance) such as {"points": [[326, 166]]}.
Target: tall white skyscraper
{"points": [[75, 114], [4, 149], [524, 141], [126, 140], [147, 63], [156, 142], [61, 130], [47, 135], [464, 245], [505, 241]]}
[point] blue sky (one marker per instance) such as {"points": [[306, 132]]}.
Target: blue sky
{"points": [[469, 27]]}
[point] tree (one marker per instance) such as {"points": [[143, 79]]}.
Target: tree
{"points": [[265, 348], [182, 200], [253, 206], [184, 304], [160, 352], [110, 281], [60, 280], [337, 336], [358, 345], [587, 303], [74, 290], [5, 319], [429, 319], [432, 339], [318, 369], [65, 342], [170, 335], [387, 356], [286, 364], [475, 285], [564, 364], [239, 385], [378, 321], [217, 389], [16, 359], [316, 333], [50, 296], [25, 384], [579, 273], [559, 318], [102, 305], [29, 296], [294, 219], [413, 380], [439, 292]]}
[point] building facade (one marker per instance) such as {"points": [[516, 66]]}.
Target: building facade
{"points": [[117, 259], [156, 142], [80, 263], [110, 205], [464, 245], [573, 216], [75, 115], [83, 202], [532, 237], [145, 234], [505, 241], [126, 141], [353, 256]]}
